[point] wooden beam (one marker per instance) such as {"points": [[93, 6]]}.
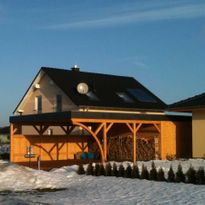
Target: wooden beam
{"points": [[105, 141], [94, 136], [11, 142], [157, 127], [99, 128], [130, 127], [67, 129], [109, 126], [135, 129]]}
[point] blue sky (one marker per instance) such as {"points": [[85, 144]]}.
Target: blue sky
{"points": [[159, 42]]}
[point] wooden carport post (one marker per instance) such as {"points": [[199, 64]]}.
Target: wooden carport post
{"points": [[105, 131], [134, 130]]}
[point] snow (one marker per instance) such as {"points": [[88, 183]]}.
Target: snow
{"points": [[22, 185]]}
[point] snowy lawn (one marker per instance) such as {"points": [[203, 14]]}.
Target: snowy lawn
{"points": [[18, 184]]}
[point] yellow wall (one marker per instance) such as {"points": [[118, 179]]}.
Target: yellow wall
{"points": [[168, 139], [176, 139], [198, 132], [47, 147]]}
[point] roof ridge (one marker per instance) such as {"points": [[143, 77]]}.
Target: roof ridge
{"points": [[95, 73]]}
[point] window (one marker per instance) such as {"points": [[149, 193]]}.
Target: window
{"points": [[38, 104], [125, 97], [141, 95], [92, 96], [58, 103]]}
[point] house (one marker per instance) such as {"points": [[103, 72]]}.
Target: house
{"points": [[66, 113], [196, 106], [4, 142]]}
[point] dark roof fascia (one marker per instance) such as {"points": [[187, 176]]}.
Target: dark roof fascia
{"points": [[66, 117], [27, 91], [187, 109]]}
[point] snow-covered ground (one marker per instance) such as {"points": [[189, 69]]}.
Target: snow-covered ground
{"points": [[20, 185]]}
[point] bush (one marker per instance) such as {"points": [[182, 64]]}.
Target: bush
{"points": [[153, 172], [144, 173], [121, 171], [90, 169], [180, 177], [108, 169], [81, 169], [135, 171], [160, 175], [128, 171], [97, 170], [171, 175], [191, 175], [200, 179], [115, 170], [101, 170]]}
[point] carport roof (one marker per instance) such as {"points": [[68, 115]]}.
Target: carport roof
{"points": [[66, 117]]}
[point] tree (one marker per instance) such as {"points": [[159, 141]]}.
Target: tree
{"points": [[200, 178], [171, 175], [128, 171], [144, 173], [81, 169], [108, 169], [153, 172], [121, 171], [101, 170], [160, 175], [97, 170], [180, 177], [135, 171], [115, 170], [191, 175], [90, 169]]}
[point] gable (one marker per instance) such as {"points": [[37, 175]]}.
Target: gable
{"points": [[43, 86]]}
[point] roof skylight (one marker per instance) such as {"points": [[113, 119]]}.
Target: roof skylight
{"points": [[125, 97], [141, 95], [92, 96]]}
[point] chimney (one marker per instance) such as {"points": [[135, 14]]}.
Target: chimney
{"points": [[75, 68]]}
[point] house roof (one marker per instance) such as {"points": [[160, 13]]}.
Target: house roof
{"points": [[105, 91], [189, 104]]}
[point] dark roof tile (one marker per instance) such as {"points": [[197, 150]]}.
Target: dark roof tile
{"points": [[105, 88]]}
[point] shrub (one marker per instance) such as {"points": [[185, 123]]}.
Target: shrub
{"points": [[200, 179], [144, 172], [108, 169], [115, 170], [97, 170], [191, 175], [135, 171], [81, 169], [121, 171], [101, 170], [180, 177], [171, 175], [90, 169], [160, 175], [153, 172], [128, 171]]}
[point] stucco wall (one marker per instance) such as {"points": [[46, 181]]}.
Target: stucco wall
{"points": [[198, 133], [48, 90]]}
